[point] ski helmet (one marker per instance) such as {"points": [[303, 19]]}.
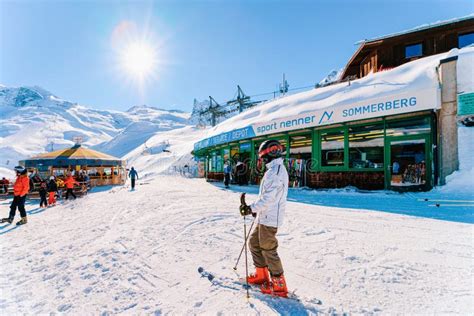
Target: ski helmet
{"points": [[270, 149], [20, 169]]}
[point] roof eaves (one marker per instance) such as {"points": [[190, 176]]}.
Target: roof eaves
{"points": [[419, 28], [352, 59]]}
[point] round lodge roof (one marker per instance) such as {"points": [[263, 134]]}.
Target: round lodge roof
{"points": [[76, 155]]}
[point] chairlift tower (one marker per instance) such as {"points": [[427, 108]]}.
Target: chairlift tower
{"points": [[284, 86], [242, 100], [214, 109]]}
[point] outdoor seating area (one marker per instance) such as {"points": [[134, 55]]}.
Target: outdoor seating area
{"points": [[86, 165]]}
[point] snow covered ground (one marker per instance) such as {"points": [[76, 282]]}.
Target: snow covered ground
{"points": [[117, 251]]}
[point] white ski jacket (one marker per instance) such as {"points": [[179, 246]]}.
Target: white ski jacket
{"points": [[271, 203]]}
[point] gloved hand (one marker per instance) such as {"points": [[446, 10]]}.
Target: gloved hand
{"points": [[245, 210]]}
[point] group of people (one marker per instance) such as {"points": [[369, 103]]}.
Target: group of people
{"points": [[238, 173], [53, 189], [48, 191]]}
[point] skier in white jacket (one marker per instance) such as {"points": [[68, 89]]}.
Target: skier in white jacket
{"points": [[270, 210]]}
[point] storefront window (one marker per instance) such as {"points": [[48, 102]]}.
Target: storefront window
{"points": [[219, 163], [234, 154], [300, 147], [366, 146], [240, 152], [215, 162], [408, 127], [332, 148], [300, 157], [408, 158], [210, 161], [226, 152]]}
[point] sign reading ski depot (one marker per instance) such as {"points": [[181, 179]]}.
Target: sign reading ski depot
{"points": [[377, 107]]}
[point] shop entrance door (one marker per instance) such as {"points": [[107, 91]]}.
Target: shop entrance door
{"points": [[409, 164]]}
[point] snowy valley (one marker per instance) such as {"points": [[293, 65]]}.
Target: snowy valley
{"points": [[34, 121]]}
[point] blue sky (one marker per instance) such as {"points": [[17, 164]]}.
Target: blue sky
{"points": [[203, 47]]}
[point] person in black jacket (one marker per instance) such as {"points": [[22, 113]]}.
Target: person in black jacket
{"points": [[53, 190], [132, 175], [42, 192]]}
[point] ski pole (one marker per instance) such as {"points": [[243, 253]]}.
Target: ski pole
{"points": [[246, 260], [243, 246]]}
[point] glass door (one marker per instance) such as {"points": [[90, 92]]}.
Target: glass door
{"points": [[409, 167]]}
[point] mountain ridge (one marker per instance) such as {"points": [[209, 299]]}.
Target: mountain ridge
{"points": [[34, 120]]}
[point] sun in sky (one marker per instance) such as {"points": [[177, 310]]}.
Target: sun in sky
{"points": [[138, 53], [139, 59]]}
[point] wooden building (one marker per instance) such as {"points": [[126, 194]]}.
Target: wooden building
{"points": [[387, 52]]}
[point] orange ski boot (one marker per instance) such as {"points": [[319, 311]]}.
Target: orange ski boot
{"points": [[276, 287], [259, 277]]}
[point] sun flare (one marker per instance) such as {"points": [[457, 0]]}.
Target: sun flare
{"points": [[139, 59]]}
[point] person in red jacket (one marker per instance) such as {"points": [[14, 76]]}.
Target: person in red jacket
{"points": [[20, 189], [69, 183], [5, 184]]}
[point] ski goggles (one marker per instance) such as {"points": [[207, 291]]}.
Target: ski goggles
{"points": [[273, 148]]}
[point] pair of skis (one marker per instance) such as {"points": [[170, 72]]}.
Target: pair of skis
{"points": [[241, 284]]}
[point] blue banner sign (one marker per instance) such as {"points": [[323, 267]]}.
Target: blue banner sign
{"points": [[238, 134]]}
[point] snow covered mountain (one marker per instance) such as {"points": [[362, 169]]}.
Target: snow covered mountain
{"points": [[33, 120], [144, 122]]}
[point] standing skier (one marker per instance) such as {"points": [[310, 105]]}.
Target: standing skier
{"points": [[70, 182], [132, 175], [270, 211], [42, 192], [52, 189], [227, 171], [20, 189]]}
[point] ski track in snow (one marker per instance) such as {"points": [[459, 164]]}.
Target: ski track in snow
{"points": [[117, 251]]}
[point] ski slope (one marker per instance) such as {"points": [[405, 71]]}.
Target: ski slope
{"points": [[117, 251], [166, 152]]}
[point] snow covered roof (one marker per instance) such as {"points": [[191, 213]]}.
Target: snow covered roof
{"points": [[419, 28], [411, 87]]}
